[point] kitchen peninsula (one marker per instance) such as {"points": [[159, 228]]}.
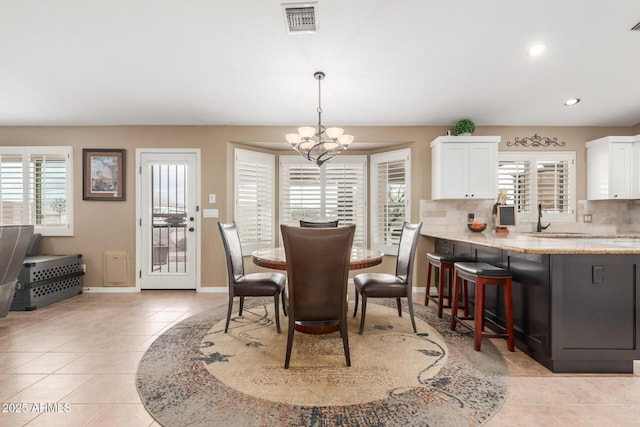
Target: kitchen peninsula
{"points": [[575, 296]]}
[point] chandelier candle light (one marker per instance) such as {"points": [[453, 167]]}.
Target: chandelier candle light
{"points": [[319, 144]]}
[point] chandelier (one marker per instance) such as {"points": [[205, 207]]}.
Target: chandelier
{"points": [[319, 144]]}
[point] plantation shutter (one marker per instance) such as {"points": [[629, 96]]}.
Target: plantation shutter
{"points": [[545, 178], [390, 204], [255, 199], [515, 177], [35, 188], [301, 190], [345, 195], [553, 192], [337, 190]]}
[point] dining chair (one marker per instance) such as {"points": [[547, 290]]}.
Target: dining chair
{"points": [[318, 272], [249, 285], [313, 224], [14, 243], [398, 285]]}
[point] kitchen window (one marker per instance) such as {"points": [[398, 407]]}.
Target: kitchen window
{"points": [[255, 199], [545, 178], [337, 190], [36, 188], [390, 187]]}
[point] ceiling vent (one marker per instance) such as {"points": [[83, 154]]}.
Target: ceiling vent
{"points": [[301, 17], [636, 27]]}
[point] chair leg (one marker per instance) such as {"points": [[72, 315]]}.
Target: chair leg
{"points": [[241, 306], [284, 302], [428, 287], [276, 311], [355, 309], [292, 327], [226, 326], [508, 308], [364, 311], [441, 283], [399, 305], [479, 312], [345, 340], [410, 303], [454, 304]]}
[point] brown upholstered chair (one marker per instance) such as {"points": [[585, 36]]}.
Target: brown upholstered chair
{"points": [[248, 285], [318, 272], [312, 224], [400, 285], [14, 242]]}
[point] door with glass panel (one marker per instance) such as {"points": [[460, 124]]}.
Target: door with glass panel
{"points": [[168, 219]]}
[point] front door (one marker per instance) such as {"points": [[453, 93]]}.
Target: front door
{"points": [[168, 212]]}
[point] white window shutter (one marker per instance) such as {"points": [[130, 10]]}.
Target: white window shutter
{"points": [[254, 196], [36, 188], [390, 182], [337, 190]]}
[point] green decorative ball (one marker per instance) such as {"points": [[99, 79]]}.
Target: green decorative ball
{"points": [[464, 126]]}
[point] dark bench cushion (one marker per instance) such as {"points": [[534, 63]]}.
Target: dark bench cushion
{"points": [[482, 269], [437, 257]]}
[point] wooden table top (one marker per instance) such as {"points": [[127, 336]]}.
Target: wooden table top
{"points": [[274, 258]]}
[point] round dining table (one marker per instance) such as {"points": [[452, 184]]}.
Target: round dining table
{"points": [[274, 258]]}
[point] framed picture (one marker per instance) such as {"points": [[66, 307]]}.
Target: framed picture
{"points": [[103, 174]]}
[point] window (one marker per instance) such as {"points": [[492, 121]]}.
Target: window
{"points": [[255, 198], [545, 178], [337, 190], [390, 179], [36, 188]]}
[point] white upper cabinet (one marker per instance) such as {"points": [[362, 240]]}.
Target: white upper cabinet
{"points": [[612, 168], [464, 167]]}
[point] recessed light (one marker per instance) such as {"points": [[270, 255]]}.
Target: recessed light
{"points": [[572, 101], [537, 49]]}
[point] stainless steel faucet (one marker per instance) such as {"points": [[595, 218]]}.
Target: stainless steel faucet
{"points": [[540, 227]]}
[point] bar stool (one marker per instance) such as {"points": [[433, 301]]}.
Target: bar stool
{"points": [[444, 263], [483, 274]]}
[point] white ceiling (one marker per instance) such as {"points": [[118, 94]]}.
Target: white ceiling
{"points": [[400, 62]]}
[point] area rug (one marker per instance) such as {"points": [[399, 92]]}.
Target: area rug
{"points": [[196, 375]]}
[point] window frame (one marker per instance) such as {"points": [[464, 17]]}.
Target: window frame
{"points": [[403, 155], [27, 152], [536, 156]]}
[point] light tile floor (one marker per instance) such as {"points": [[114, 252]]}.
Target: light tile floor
{"points": [[82, 353]]}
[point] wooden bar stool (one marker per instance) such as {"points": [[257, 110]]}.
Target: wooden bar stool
{"points": [[444, 263], [483, 274]]}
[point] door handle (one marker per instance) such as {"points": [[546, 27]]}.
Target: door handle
{"points": [[192, 229]]}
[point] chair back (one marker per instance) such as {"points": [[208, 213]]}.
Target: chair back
{"points": [[14, 242], [318, 271], [407, 251], [233, 250], [312, 224]]}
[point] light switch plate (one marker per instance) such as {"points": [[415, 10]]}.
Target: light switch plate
{"points": [[210, 213], [212, 198]]}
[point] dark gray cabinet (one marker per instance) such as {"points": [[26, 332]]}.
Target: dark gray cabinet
{"points": [[573, 313]]}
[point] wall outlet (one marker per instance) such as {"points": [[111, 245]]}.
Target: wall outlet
{"points": [[586, 218], [470, 217]]}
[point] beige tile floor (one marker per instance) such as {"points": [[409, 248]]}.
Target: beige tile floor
{"points": [[82, 353]]}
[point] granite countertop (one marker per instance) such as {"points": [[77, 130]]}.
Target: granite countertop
{"points": [[551, 243]]}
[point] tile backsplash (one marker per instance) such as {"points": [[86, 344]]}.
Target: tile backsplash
{"points": [[608, 216]]}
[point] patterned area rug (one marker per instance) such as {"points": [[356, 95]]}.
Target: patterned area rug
{"points": [[195, 374]]}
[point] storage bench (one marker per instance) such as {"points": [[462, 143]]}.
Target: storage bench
{"points": [[45, 279]]}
